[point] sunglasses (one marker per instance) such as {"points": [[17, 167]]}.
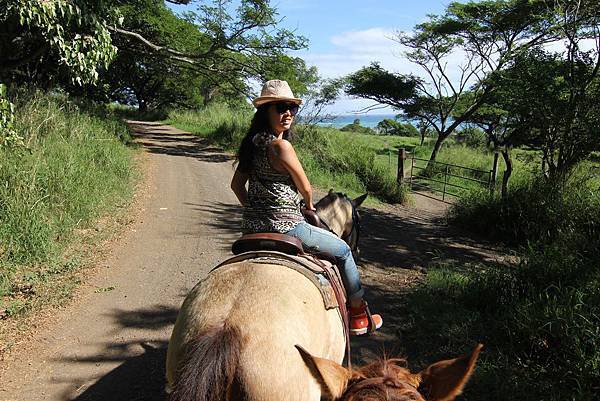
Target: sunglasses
{"points": [[283, 107]]}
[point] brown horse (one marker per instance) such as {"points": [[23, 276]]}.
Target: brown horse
{"points": [[236, 332], [386, 381]]}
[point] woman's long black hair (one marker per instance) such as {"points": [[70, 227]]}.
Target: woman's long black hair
{"points": [[259, 123]]}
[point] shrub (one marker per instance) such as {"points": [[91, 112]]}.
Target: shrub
{"points": [[534, 211], [472, 137], [540, 317], [357, 128]]}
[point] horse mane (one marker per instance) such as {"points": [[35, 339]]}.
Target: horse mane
{"points": [[383, 380]]}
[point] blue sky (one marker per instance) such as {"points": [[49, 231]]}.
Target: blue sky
{"points": [[346, 35]]}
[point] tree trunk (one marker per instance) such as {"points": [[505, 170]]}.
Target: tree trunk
{"points": [[507, 172], [142, 106], [436, 148]]}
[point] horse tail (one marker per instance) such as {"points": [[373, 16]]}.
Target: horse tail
{"points": [[208, 369]]}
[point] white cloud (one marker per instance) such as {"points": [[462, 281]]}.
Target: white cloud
{"points": [[355, 49], [370, 41]]}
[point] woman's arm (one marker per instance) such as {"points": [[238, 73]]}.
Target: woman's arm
{"points": [[284, 153], [238, 185]]}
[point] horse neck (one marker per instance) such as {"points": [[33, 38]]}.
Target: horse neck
{"points": [[337, 214]]}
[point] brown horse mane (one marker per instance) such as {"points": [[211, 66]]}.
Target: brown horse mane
{"points": [[383, 380]]}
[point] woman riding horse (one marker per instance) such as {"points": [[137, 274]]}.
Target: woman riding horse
{"points": [[254, 330], [268, 163]]}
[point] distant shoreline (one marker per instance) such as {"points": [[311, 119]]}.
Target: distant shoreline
{"points": [[370, 121]]}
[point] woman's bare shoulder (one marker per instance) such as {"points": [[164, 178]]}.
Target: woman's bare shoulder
{"points": [[281, 146]]}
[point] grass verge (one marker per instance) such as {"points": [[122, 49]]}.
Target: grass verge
{"points": [[540, 318], [74, 169]]}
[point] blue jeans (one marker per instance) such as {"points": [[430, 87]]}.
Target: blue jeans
{"points": [[320, 240]]}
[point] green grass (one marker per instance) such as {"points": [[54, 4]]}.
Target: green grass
{"points": [[217, 122], [539, 322], [75, 168], [539, 318], [331, 158]]}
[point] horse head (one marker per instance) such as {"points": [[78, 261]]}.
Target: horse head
{"points": [[385, 380], [340, 214]]}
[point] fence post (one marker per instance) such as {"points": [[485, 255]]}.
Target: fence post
{"points": [[494, 173], [401, 158], [445, 182]]}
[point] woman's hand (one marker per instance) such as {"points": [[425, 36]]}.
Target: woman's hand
{"points": [[303, 206], [310, 207]]}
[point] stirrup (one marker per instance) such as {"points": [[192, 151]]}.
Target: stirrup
{"points": [[365, 313], [372, 327]]}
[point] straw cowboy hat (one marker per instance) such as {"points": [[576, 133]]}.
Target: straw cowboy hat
{"points": [[275, 90]]}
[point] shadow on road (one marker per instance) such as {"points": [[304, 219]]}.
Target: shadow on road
{"points": [[162, 139], [414, 242], [141, 377], [141, 373]]}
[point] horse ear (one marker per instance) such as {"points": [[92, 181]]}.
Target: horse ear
{"points": [[358, 201], [444, 380], [332, 376]]}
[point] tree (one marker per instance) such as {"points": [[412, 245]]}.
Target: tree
{"points": [[389, 126], [356, 127], [77, 35], [66, 42], [40, 37], [551, 104], [151, 81], [488, 34], [235, 46]]}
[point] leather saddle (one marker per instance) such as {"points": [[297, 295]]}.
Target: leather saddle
{"points": [[276, 242]]}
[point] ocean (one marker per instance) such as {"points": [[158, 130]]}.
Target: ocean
{"points": [[370, 121]]}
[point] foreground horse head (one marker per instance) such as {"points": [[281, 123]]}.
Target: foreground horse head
{"points": [[384, 380]]}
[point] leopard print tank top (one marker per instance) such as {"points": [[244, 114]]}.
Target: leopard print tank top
{"points": [[273, 202]]}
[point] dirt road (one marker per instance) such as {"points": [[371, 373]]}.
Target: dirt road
{"points": [[110, 343]]}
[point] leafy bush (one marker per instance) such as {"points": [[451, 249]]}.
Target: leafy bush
{"points": [[472, 137], [540, 318], [393, 127], [534, 211]]}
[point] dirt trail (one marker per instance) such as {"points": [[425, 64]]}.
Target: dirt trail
{"points": [[111, 344]]}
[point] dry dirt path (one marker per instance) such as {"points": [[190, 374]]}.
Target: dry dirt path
{"points": [[111, 344]]}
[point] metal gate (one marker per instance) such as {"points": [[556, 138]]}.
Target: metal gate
{"points": [[444, 179]]}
